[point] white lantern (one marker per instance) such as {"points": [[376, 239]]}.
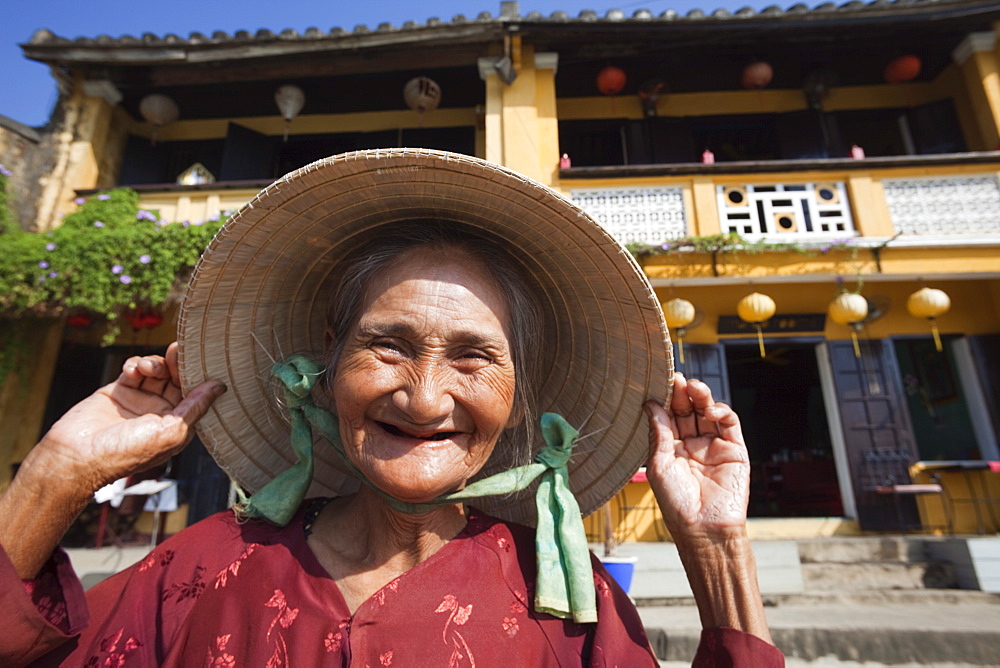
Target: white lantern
{"points": [[422, 94], [679, 313], [929, 303], [756, 308], [849, 309], [159, 110], [290, 100]]}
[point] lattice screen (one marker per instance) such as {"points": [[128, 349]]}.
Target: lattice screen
{"points": [[646, 215], [796, 210], [939, 206]]}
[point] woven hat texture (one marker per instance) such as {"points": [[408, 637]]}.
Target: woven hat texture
{"points": [[259, 293]]}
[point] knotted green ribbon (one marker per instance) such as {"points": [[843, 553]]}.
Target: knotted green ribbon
{"points": [[565, 584]]}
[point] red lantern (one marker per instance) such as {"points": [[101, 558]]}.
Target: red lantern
{"points": [[904, 68], [757, 75], [611, 80]]}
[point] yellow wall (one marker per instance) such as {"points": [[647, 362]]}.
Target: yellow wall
{"points": [[24, 394], [311, 124]]}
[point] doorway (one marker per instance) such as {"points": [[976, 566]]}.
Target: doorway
{"points": [[779, 399]]}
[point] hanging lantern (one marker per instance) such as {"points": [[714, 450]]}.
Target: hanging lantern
{"points": [[756, 308], [929, 303], [849, 309], [904, 68], [422, 94], [757, 75], [159, 110], [611, 80], [679, 313], [290, 100]]}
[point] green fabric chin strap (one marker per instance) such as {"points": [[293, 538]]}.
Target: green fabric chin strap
{"points": [[565, 586]]}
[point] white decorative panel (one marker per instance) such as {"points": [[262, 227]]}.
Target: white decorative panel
{"points": [[799, 210], [954, 205], [645, 215]]}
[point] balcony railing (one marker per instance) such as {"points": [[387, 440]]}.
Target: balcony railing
{"points": [[799, 210], [959, 205], [642, 214], [922, 197]]}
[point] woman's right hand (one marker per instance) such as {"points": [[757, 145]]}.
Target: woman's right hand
{"points": [[130, 425]]}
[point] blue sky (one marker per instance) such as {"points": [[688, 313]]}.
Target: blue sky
{"points": [[27, 91]]}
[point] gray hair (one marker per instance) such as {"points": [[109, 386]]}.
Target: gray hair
{"points": [[363, 265]]}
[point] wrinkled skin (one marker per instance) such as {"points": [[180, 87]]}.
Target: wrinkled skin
{"points": [[698, 465]]}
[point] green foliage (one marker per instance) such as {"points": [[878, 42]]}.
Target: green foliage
{"points": [[107, 257], [8, 221], [717, 244]]}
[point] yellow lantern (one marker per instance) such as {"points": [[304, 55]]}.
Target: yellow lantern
{"points": [[849, 309], [929, 303], [679, 313], [755, 308]]}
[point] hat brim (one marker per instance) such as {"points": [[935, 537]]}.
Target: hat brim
{"points": [[258, 294]]}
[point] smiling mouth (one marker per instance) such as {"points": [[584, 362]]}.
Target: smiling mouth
{"points": [[437, 436]]}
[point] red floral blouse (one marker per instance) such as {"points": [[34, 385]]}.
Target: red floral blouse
{"points": [[228, 594]]}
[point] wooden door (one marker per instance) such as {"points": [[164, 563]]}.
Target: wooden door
{"points": [[875, 418], [986, 355]]}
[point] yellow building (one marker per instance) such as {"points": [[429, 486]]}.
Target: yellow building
{"points": [[850, 148]]}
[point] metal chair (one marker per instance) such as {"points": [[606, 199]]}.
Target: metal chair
{"points": [[887, 472]]}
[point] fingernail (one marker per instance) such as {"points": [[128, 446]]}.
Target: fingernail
{"points": [[219, 390]]}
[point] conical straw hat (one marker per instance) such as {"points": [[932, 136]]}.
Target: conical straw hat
{"points": [[258, 294]]}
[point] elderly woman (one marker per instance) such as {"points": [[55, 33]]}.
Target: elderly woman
{"points": [[446, 304]]}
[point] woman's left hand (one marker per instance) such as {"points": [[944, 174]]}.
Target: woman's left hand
{"points": [[698, 465]]}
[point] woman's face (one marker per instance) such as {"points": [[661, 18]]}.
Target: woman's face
{"points": [[425, 383]]}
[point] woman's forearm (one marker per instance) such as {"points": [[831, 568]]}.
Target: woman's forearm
{"points": [[36, 510], [722, 572]]}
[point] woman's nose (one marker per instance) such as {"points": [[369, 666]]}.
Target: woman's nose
{"points": [[426, 396]]}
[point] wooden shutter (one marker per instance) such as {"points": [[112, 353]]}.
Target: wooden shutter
{"points": [[707, 363], [874, 417]]}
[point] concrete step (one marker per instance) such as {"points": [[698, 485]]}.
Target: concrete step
{"points": [[880, 633], [915, 597], [877, 575], [852, 549]]}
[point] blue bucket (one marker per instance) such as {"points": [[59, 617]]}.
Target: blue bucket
{"points": [[621, 569]]}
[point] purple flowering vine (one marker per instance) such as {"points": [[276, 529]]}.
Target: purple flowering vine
{"points": [[98, 223], [145, 215], [43, 264], [50, 246], [117, 269], [4, 171], [79, 201], [125, 278], [53, 274], [104, 197], [145, 259]]}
